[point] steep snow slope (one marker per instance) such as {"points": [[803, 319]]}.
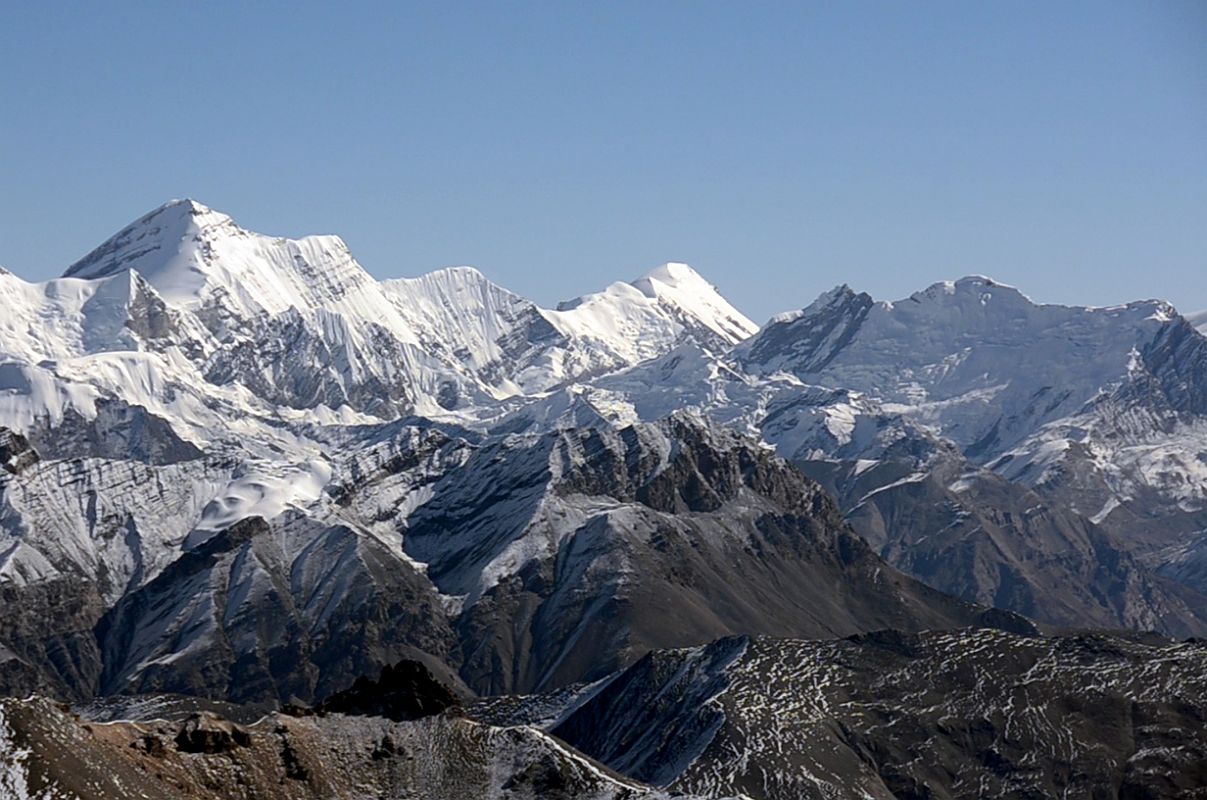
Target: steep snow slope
{"points": [[299, 324], [635, 318], [639, 320], [199, 259], [67, 343], [69, 317], [696, 301], [1199, 320], [494, 335], [516, 347]]}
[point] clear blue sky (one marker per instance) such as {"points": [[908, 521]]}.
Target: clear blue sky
{"points": [[779, 148]]}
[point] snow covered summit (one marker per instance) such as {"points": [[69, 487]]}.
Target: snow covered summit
{"points": [[199, 259], [281, 324]]}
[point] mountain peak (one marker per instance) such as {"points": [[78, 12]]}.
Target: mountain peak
{"points": [[193, 256], [980, 288], [806, 340], [173, 214], [458, 290], [186, 205], [672, 273], [160, 245], [679, 286], [835, 298], [977, 279]]}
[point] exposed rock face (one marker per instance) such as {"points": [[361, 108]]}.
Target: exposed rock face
{"points": [[969, 532], [576, 552], [1174, 371], [566, 556], [976, 712], [256, 615], [403, 691], [117, 431], [15, 451], [287, 360], [203, 733], [891, 715], [47, 752], [665, 730], [807, 342], [47, 642]]}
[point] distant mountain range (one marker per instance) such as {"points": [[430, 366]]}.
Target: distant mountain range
{"points": [[239, 467]]}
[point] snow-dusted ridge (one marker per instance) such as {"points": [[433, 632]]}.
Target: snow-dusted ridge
{"points": [[190, 377], [975, 360], [232, 336]]}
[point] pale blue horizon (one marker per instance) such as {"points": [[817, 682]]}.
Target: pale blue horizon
{"points": [[779, 149]]}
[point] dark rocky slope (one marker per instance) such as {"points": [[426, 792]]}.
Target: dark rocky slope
{"points": [[969, 532], [294, 611], [973, 713], [576, 552]]}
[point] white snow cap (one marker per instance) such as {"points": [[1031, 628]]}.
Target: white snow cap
{"points": [[681, 286]]}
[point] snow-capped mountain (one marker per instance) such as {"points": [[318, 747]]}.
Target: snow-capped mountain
{"points": [[300, 324], [1199, 320], [240, 467], [517, 348], [1101, 407], [914, 495], [445, 440], [974, 359]]}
